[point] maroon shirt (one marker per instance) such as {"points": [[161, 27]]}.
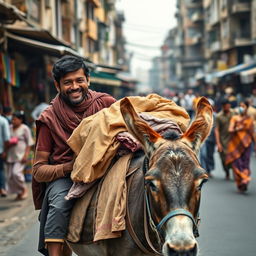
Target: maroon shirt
{"points": [[54, 127]]}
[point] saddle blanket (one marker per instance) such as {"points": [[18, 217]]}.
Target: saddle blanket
{"points": [[107, 199]]}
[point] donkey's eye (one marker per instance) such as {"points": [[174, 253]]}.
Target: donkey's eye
{"points": [[152, 185], [202, 183]]}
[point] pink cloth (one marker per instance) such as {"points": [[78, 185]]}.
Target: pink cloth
{"points": [[158, 124]]}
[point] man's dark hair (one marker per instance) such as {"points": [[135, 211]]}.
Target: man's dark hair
{"points": [[68, 64], [7, 110], [247, 103], [224, 102], [1, 108]]}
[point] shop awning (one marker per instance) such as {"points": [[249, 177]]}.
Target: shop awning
{"points": [[249, 72], [37, 34], [236, 69], [9, 13], [57, 50], [104, 78], [247, 76]]}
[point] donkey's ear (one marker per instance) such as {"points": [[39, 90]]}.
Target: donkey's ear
{"points": [[201, 126], [138, 128]]}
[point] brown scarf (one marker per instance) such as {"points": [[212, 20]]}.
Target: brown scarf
{"points": [[62, 119]]}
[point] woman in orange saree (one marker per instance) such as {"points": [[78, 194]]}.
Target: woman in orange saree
{"points": [[239, 146]]}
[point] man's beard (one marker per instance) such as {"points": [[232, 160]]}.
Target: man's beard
{"points": [[66, 98]]}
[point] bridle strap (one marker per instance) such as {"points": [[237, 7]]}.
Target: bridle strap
{"points": [[130, 227], [171, 214], [147, 213], [178, 212]]}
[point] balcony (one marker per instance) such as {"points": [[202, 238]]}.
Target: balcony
{"points": [[100, 14], [193, 3], [239, 7], [96, 3], [215, 46], [197, 16], [196, 39], [92, 30], [242, 38], [225, 44]]}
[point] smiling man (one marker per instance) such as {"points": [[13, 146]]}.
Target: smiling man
{"points": [[53, 158]]}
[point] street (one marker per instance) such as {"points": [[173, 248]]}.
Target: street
{"points": [[227, 228]]}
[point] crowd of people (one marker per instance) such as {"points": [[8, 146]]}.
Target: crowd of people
{"points": [[233, 135]]}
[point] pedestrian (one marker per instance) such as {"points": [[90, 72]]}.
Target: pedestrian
{"points": [[38, 110], [17, 155], [189, 102], [4, 139], [53, 158], [253, 98], [251, 111], [222, 134], [208, 148], [238, 155], [7, 113]]}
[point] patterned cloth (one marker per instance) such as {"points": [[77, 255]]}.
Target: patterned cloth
{"points": [[238, 152]]}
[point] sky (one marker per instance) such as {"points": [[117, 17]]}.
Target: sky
{"points": [[146, 25]]}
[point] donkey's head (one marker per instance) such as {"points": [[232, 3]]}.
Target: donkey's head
{"points": [[174, 177]]}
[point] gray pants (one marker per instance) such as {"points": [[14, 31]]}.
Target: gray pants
{"points": [[224, 165], [55, 213]]}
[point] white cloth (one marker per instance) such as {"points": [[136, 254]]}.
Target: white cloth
{"points": [[16, 152], [189, 100], [38, 110], [4, 133]]}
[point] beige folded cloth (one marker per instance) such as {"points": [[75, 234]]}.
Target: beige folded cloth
{"points": [[94, 143]]}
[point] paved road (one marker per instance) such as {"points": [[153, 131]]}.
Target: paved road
{"points": [[228, 226]]}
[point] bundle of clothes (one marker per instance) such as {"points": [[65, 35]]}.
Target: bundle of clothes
{"points": [[102, 136]]}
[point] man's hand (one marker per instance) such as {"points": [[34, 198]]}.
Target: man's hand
{"points": [[68, 167], [24, 159], [219, 147]]}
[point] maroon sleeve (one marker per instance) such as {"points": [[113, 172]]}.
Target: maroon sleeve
{"points": [[44, 139], [108, 100]]}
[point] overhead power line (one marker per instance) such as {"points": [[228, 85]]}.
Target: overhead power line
{"points": [[145, 27], [143, 46], [143, 30]]}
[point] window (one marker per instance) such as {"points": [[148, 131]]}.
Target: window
{"points": [[34, 10], [224, 4], [225, 29], [90, 11]]}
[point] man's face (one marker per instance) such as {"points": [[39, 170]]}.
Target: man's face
{"points": [[226, 107], [73, 87]]}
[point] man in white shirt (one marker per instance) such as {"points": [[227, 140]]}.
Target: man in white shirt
{"points": [[4, 138], [38, 110], [189, 102]]}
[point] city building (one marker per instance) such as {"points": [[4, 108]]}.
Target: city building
{"points": [[33, 34], [190, 41]]}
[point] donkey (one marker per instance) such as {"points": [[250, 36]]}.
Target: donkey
{"points": [[163, 203]]}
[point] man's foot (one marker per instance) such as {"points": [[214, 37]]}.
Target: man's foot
{"points": [[210, 175], [3, 192], [23, 195], [227, 177]]}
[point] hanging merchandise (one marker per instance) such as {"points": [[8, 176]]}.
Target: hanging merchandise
{"points": [[9, 70]]}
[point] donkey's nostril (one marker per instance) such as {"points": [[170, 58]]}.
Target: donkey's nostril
{"points": [[178, 250]]}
